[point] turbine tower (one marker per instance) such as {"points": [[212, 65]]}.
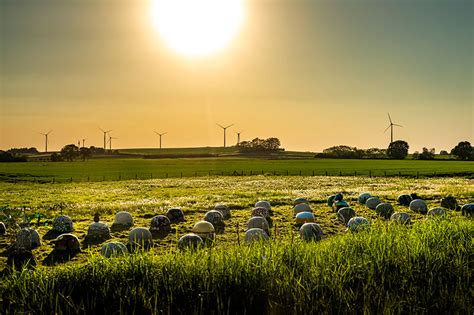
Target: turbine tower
{"points": [[238, 136], [105, 137], [391, 127], [83, 141], [110, 142], [160, 135], [46, 140], [224, 128]]}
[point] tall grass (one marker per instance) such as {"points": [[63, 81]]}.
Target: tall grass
{"points": [[426, 268]]}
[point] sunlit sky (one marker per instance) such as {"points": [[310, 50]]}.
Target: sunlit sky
{"points": [[312, 73]]}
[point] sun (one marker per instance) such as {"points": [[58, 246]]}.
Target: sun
{"points": [[197, 27]]}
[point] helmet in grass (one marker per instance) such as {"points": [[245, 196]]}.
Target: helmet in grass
{"points": [[160, 223], [468, 209], [255, 235], [339, 205], [113, 249], [190, 241], [216, 219], [175, 215], [67, 242], [299, 200], [140, 237], [345, 214], [401, 218], [338, 197], [3, 228], [437, 212], [357, 223], [304, 217], [362, 199], [205, 230], [98, 231], [301, 207], [384, 210], [258, 222], [330, 200], [260, 212], [419, 205], [311, 232], [123, 218], [449, 202], [372, 203], [404, 200], [63, 224], [28, 239], [224, 210], [264, 204]]}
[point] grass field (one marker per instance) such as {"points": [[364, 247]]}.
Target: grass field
{"points": [[115, 169], [386, 268]]}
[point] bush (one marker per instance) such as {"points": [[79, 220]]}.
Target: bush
{"points": [[8, 157]]}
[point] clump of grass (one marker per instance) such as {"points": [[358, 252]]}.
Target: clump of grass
{"points": [[425, 268]]}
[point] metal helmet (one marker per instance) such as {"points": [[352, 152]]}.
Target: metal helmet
{"points": [[264, 204], [400, 218], [113, 249], [67, 242], [468, 209], [63, 224], [419, 205], [404, 200], [345, 214], [299, 200], [224, 210], [123, 218], [260, 212], [437, 212], [190, 241], [302, 207], [255, 235], [449, 202], [160, 223], [363, 198], [372, 202], [175, 215], [339, 205], [384, 210], [311, 232], [304, 217], [357, 223]]}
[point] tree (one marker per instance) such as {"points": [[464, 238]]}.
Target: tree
{"points": [[427, 154], [70, 152], [85, 153], [55, 157], [415, 155], [259, 145], [398, 149], [443, 152], [463, 151]]}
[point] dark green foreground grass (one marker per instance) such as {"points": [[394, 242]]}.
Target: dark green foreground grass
{"points": [[426, 268]]}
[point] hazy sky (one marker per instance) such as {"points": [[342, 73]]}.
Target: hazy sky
{"points": [[312, 73]]}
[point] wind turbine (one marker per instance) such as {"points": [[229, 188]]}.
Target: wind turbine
{"points": [[225, 128], [110, 142], [105, 137], [83, 141], [391, 127], [238, 136], [46, 140], [160, 134]]}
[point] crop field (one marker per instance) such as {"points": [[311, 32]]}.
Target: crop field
{"points": [[424, 268], [135, 168]]}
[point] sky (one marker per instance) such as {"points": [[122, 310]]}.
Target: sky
{"points": [[312, 73]]}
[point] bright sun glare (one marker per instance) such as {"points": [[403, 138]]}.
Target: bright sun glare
{"points": [[197, 27]]}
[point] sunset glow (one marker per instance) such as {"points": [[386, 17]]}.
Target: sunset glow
{"points": [[197, 28]]}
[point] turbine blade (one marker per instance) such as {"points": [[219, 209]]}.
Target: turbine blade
{"points": [[220, 126], [229, 126], [389, 118], [398, 125], [387, 128]]}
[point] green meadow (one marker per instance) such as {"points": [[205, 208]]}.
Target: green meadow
{"points": [[140, 168], [425, 268]]}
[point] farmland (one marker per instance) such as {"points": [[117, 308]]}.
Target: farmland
{"points": [[385, 267], [139, 168]]}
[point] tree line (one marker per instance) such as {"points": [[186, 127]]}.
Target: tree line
{"points": [[396, 150]]}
